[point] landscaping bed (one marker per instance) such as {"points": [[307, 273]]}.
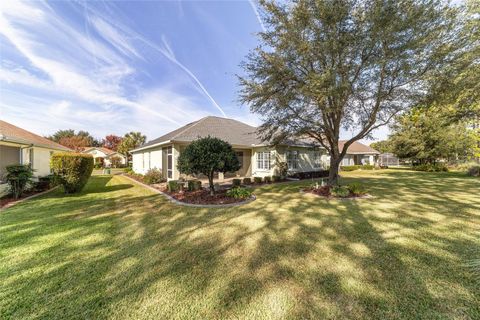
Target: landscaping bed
{"points": [[203, 197], [338, 192]]}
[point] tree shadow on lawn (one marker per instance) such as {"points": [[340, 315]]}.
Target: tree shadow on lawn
{"points": [[285, 254]]}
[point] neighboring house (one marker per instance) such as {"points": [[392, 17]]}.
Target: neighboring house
{"points": [[256, 157], [105, 156], [19, 146], [358, 154]]}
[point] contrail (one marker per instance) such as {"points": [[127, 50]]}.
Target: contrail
{"points": [[255, 10]]}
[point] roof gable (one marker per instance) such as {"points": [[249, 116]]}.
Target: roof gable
{"points": [[357, 147], [11, 133]]}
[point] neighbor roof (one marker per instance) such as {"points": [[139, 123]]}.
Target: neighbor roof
{"points": [[357, 148], [107, 151], [232, 131], [11, 133]]}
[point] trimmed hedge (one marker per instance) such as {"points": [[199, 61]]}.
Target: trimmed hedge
{"points": [[173, 186], [257, 179], [247, 181], [310, 174], [194, 185], [267, 179], [72, 170], [357, 167], [437, 167]]}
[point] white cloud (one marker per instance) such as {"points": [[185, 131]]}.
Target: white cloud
{"points": [[257, 14]]}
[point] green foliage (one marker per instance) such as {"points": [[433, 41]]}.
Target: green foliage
{"points": [[173, 186], [257, 179], [474, 171], [322, 66], [340, 191], [247, 181], [194, 185], [267, 179], [208, 156], [357, 189], [276, 178], [431, 167], [131, 141], [153, 176], [239, 193], [384, 146], [236, 182], [72, 170], [98, 165], [45, 182], [357, 167], [18, 177]]}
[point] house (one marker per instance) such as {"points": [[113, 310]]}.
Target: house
{"points": [[19, 146], [358, 154], [257, 158], [106, 157]]}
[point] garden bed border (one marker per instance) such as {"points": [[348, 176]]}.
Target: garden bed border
{"points": [[365, 196], [175, 201], [11, 204]]}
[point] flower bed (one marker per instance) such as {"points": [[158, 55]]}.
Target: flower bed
{"points": [[338, 192], [203, 197]]}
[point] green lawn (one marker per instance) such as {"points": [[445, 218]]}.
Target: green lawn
{"points": [[120, 251]]}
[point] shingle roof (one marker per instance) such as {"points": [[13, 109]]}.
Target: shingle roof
{"points": [[11, 133], [357, 147], [230, 130]]}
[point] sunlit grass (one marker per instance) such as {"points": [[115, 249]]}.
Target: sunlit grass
{"points": [[120, 251]]}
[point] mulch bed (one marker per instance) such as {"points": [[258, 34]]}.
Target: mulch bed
{"points": [[5, 201], [203, 197], [324, 191]]}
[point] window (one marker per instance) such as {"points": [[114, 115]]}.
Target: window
{"points": [[292, 159], [317, 159], [169, 163], [263, 160], [240, 157]]}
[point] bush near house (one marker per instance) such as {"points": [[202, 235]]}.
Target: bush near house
{"points": [[194, 185], [153, 176], [474, 171], [257, 179], [431, 167], [18, 177], [247, 181], [173, 186], [236, 182], [72, 170], [276, 178], [239, 193], [267, 179], [357, 167], [310, 174]]}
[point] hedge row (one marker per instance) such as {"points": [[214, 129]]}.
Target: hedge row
{"points": [[357, 167], [72, 170]]}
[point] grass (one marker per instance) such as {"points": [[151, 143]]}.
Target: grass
{"points": [[118, 251]]}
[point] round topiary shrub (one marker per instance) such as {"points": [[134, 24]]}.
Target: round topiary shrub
{"points": [[72, 170]]}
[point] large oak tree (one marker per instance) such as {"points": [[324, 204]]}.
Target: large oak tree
{"points": [[326, 65]]}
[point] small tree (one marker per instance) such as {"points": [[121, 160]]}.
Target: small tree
{"points": [[18, 176], [72, 170], [208, 156]]}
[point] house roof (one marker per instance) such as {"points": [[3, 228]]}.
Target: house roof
{"points": [[230, 130], [357, 148], [107, 151], [14, 134]]}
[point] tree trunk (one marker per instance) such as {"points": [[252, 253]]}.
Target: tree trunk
{"points": [[334, 166], [212, 186]]}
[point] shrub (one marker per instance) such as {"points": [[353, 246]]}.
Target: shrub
{"points": [[45, 182], [282, 168], [310, 174], [72, 170], [18, 177], [247, 181], [98, 165], [474, 171], [357, 167], [173, 186], [128, 169], [340, 191], [153, 176], [276, 178], [194, 185], [429, 167], [357, 189], [236, 182], [257, 179], [267, 179], [239, 193]]}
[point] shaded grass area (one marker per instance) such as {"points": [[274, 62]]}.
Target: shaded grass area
{"points": [[119, 251]]}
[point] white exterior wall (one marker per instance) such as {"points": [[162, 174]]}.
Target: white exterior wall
{"points": [[148, 159], [41, 160], [257, 172]]}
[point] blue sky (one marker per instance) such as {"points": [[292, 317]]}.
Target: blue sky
{"points": [[114, 67]]}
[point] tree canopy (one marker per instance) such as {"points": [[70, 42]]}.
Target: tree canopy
{"points": [[74, 140], [131, 141], [111, 142], [208, 156], [325, 66]]}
